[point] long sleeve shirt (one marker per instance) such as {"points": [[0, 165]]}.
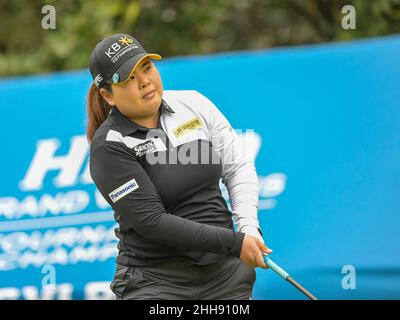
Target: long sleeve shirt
{"points": [[163, 183]]}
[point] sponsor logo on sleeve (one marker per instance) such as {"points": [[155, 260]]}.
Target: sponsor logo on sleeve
{"points": [[123, 190]]}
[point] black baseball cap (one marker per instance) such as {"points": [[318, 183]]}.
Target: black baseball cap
{"points": [[114, 59]]}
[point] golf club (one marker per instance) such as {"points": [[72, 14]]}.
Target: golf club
{"points": [[283, 274]]}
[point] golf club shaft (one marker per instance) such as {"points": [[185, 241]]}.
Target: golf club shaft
{"points": [[283, 274], [301, 288]]}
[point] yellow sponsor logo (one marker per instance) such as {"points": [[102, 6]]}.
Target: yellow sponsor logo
{"points": [[125, 40], [187, 126]]}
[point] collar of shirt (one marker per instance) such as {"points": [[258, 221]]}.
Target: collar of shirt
{"points": [[127, 126]]}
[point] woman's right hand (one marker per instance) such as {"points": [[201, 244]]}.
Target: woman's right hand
{"points": [[252, 252]]}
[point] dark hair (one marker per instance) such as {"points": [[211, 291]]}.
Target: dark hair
{"points": [[97, 109]]}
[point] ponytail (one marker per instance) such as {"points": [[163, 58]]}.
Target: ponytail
{"points": [[97, 109]]}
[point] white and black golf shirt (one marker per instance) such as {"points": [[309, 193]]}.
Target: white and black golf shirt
{"points": [[163, 183]]}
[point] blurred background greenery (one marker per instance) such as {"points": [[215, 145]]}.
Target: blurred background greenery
{"points": [[177, 27]]}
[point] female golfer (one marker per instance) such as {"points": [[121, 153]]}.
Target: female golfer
{"points": [[157, 157]]}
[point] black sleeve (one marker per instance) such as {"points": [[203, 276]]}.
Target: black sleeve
{"points": [[119, 176]]}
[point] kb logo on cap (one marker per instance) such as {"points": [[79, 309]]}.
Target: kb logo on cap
{"points": [[125, 40], [115, 47]]}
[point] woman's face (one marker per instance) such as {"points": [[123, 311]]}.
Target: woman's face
{"points": [[130, 97]]}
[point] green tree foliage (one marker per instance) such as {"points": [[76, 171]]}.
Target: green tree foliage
{"points": [[177, 27]]}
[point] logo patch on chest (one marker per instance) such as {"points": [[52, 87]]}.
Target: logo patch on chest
{"points": [[188, 126], [149, 146], [144, 148]]}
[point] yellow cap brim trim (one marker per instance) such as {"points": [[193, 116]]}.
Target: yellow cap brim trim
{"points": [[154, 56]]}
